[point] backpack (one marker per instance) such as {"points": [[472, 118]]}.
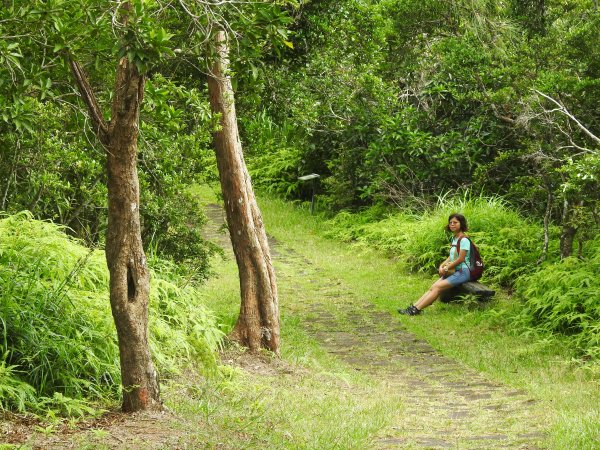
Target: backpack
{"points": [[477, 266]]}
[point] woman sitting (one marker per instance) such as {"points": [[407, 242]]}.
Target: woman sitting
{"points": [[454, 271]]}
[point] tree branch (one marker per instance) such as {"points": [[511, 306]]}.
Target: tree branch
{"points": [[561, 108], [87, 94]]}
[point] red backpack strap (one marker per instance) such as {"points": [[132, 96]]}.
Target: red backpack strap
{"points": [[458, 245]]}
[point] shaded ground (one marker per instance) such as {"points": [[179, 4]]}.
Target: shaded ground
{"points": [[446, 404], [114, 430]]}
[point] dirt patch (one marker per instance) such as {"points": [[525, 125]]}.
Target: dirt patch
{"points": [[261, 364], [113, 430]]}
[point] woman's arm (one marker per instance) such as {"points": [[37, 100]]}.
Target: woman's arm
{"points": [[442, 269], [451, 265]]}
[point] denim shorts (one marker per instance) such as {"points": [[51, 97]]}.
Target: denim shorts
{"points": [[459, 277]]}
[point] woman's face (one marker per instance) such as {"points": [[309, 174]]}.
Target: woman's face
{"points": [[454, 224]]}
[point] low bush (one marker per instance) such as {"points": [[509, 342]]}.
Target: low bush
{"points": [[564, 297], [510, 245], [59, 348], [274, 158]]}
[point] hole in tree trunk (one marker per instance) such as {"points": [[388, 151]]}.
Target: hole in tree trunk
{"points": [[130, 285]]}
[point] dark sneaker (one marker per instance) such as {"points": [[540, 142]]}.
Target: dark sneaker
{"points": [[412, 310]]}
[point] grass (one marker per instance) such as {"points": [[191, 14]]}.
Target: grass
{"points": [[547, 370], [288, 409], [308, 400]]}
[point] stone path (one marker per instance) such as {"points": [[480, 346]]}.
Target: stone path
{"points": [[447, 405]]}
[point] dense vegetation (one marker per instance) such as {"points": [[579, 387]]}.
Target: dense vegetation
{"points": [[59, 347], [407, 109], [492, 97]]}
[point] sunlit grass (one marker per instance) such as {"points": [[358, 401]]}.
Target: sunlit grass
{"points": [[309, 400], [546, 369]]}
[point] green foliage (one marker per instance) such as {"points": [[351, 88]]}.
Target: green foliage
{"points": [[332, 116], [183, 330], [564, 297], [144, 41], [14, 393], [54, 175], [57, 329], [58, 172], [54, 305], [50, 160], [510, 246], [274, 159], [381, 121], [175, 153], [397, 111]]}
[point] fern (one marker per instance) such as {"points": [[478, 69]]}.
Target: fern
{"points": [[15, 394], [564, 297], [57, 329]]}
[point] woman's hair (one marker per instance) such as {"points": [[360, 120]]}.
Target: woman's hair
{"points": [[461, 219]]}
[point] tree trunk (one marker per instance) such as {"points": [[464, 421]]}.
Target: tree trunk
{"points": [[258, 323], [129, 275], [567, 238], [568, 232], [547, 215]]}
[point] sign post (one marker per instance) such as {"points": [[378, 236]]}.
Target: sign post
{"points": [[313, 177]]}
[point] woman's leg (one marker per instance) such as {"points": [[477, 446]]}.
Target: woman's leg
{"points": [[432, 294], [426, 294]]}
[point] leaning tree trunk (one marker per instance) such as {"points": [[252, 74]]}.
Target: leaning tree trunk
{"points": [[568, 232], [547, 217], [129, 275], [258, 323]]}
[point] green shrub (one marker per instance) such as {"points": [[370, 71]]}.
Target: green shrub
{"points": [[56, 324], [510, 245], [564, 297], [274, 157], [182, 329]]}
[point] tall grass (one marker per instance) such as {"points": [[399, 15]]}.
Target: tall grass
{"points": [[182, 329], [509, 244], [57, 334]]}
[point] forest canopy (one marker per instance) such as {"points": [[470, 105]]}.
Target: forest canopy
{"points": [[402, 101]]}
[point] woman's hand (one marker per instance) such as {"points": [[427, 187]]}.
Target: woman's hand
{"points": [[442, 270]]}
